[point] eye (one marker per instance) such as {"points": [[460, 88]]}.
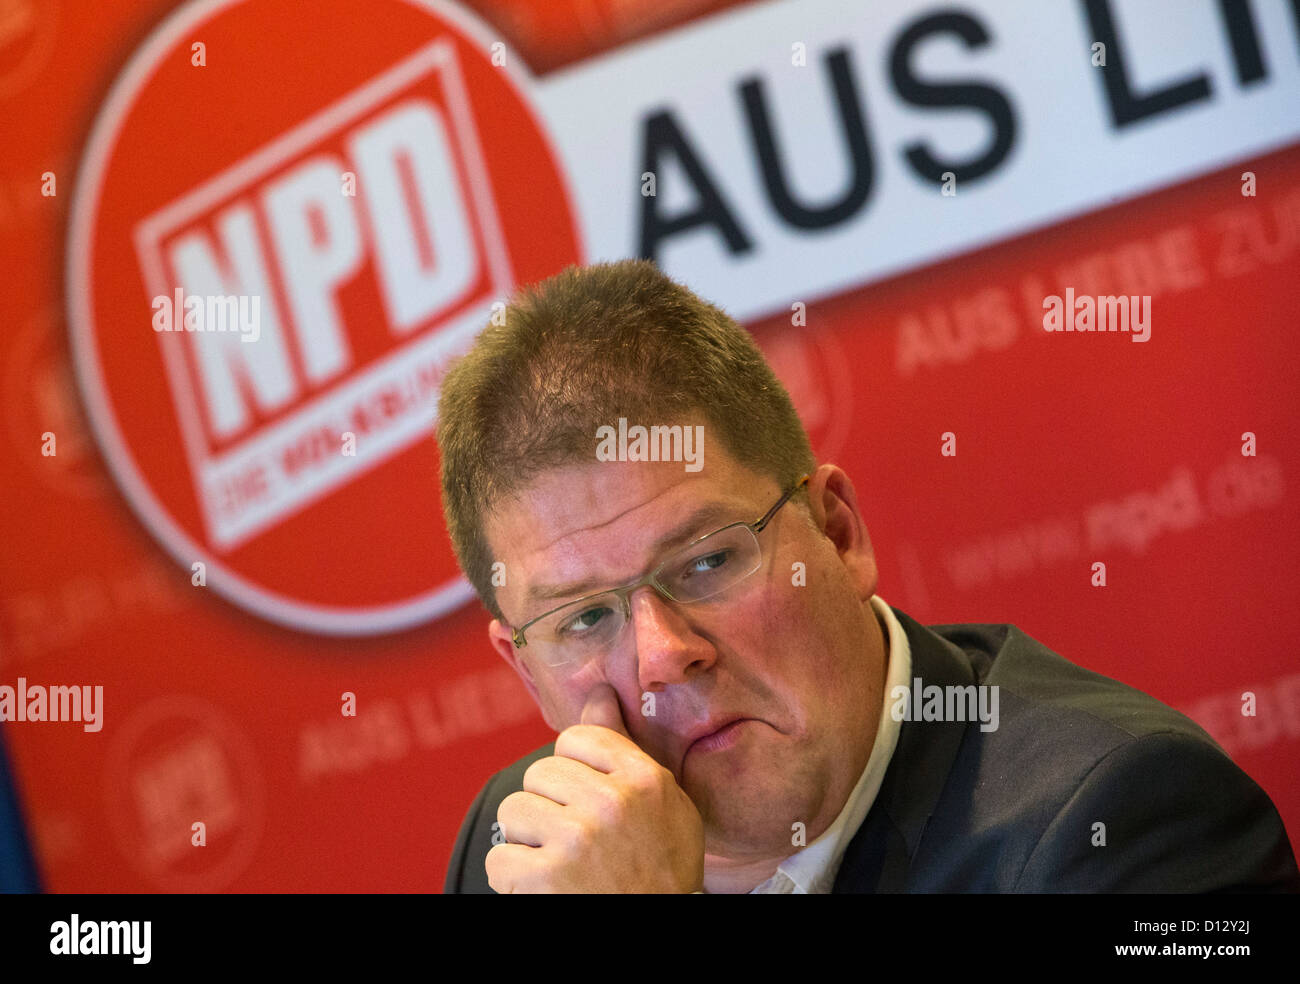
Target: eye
{"points": [[583, 622], [706, 563]]}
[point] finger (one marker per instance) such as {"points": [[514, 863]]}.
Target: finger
{"points": [[528, 819], [602, 708], [602, 749], [559, 778], [511, 867]]}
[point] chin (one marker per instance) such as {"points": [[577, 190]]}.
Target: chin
{"points": [[736, 835], [759, 808]]}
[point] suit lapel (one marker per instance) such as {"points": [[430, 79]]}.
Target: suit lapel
{"points": [[881, 852]]}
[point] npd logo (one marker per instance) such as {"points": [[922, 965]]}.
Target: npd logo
{"points": [[289, 218]]}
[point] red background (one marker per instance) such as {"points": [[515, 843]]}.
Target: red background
{"points": [[1050, 428]]}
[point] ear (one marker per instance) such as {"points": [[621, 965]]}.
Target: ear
{"points": [[502, 641], [833, 503]]}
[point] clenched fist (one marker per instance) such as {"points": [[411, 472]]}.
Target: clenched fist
{"points": [[600, 815]]}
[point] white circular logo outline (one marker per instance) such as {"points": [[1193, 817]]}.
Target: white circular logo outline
{"points": [[156, 518]]}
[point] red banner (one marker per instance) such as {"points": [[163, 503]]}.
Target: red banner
{"points": [[244, 240]]}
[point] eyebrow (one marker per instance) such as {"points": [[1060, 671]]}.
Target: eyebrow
{"points": [[679, 534]]}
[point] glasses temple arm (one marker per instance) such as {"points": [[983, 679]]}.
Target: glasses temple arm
{"points": [[758, 526]]}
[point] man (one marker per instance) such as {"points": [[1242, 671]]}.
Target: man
{"points": [[693, 608]]}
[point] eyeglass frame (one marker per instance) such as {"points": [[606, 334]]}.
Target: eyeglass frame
{"points": [[756, 527]]}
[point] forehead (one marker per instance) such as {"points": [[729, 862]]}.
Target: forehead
{"points": [[605, 523]]}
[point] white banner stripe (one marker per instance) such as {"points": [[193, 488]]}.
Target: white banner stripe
{"points": [[1067, 158]]}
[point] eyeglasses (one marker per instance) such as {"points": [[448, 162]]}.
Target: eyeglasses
{"points": [[580, 630]]}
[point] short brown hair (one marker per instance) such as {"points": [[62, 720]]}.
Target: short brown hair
{"points": [[576, 352]]}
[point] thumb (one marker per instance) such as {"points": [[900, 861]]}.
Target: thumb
{"points": [[602, 708]]}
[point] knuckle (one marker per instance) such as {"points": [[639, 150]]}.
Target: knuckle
{"points": [[571, 842], [649, 781], [610, 803], [512, 806], [571, 733], [573, 739], [496, 864], [536, 772]]}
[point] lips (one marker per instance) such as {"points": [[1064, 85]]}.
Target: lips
{"points": [[709, 729]]}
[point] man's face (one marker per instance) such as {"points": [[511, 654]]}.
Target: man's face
{"points": [[800, 657]]}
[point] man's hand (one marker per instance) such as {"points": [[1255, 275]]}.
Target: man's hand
{"points": [[600, 815]]}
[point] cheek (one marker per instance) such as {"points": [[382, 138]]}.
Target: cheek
{"points": [[562, 695], [800, 607], [807, 628]]}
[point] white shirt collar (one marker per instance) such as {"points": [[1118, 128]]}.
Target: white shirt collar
{"points": [[812, 870]]}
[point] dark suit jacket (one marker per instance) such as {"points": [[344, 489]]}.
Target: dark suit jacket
{"points": [[1013, 810]]}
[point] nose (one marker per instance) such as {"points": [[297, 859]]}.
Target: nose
{"points": [[667, 649]]}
